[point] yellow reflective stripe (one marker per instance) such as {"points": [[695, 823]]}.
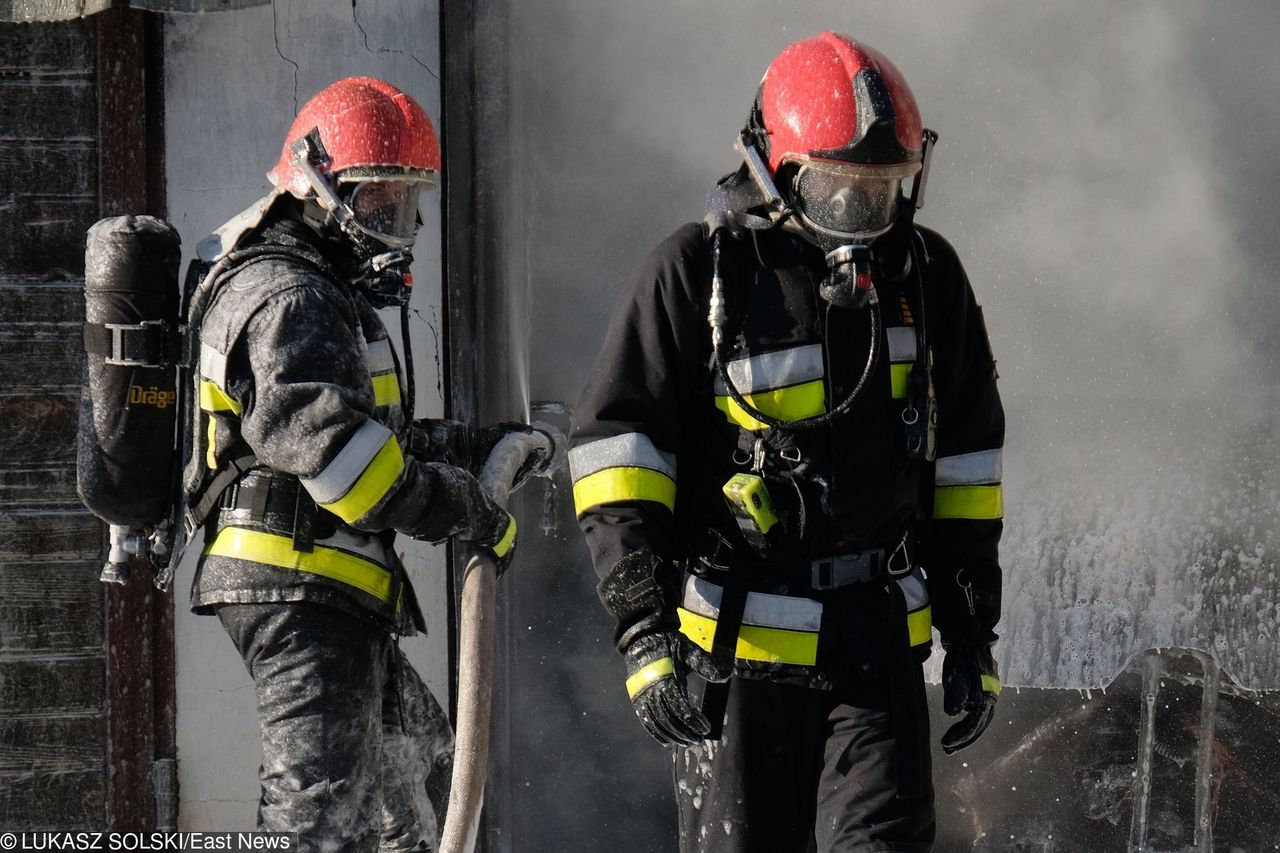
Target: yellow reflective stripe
{"points": [[920, 626], [214, 399], [646, 675], [508, 539], [974, 502], [378, 478], [277, 551], [991, 684], [900, 379], [386, 389], [771, 645], [789, 404], [211, 454], [623, 484]]}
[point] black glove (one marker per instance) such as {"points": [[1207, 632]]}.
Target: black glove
{"points": [[505, 548], [476, 517], [656, 668], [639, 592], [970, 686], [537, 462]]}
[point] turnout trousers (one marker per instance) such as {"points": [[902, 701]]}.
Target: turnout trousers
{"points": [[800, 770], [356, 753]]}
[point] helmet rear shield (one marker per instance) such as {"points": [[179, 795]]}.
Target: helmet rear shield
{"points": [[846, 200]]}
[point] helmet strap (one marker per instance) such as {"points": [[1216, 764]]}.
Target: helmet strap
{"points": [[308, 154]]}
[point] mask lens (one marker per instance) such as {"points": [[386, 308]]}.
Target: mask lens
{"points": [[388, 210], [846, 203]]}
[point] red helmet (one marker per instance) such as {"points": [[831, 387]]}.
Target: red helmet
{"points": [[365, 149], [839, 130]]}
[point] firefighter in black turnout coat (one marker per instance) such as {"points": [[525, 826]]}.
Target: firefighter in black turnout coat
{"points": [[308, 462], [797, 493]]}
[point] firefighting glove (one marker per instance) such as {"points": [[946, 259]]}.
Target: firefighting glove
{"points": [[537, 462], [656, 686], [970, 686], [487, 525], [657, 655]]}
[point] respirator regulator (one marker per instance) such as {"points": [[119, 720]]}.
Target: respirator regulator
{"points": [[848, 283], [386, 278]]}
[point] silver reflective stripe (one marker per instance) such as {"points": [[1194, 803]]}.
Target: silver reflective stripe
{"points": [[774, 370], [379, 359], [341, 474], [702, 597], [213, 365], [914, 590], [970, 469], [902, 343], [365, 546], [630, 450]]}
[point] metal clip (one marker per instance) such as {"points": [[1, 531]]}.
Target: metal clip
{"points": [[757, 456]]}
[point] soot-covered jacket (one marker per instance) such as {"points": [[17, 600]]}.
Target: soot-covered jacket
{"points": [[656, 434], [296, 368]]}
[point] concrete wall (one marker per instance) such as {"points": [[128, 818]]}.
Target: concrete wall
{"points": [[234, 82]]}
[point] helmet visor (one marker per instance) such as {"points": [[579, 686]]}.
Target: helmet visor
{"points": [[840, 199], [387, 209]]}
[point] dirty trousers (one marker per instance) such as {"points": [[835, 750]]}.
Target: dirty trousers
{"points": [[356, 752], [800, 770]]}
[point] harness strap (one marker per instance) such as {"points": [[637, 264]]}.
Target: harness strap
{"points": [[209, 496]]}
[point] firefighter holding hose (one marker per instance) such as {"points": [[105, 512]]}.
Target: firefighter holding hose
{"points": [[787, 463], [308, 462]]}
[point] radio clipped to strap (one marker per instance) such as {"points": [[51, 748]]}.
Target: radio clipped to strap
{"points": [[752, 509]]}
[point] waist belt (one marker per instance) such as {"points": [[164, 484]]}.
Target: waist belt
{"points": [[840, 570], [279, 503]]}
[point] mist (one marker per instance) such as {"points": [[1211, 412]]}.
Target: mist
{"points": [[1105, 173]]}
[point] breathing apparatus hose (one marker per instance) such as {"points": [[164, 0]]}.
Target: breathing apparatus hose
{"points": [[476, 622], [717, 316], [406, 404]]}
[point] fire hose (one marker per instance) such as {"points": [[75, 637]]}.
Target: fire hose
{"points": [[476, 618]]}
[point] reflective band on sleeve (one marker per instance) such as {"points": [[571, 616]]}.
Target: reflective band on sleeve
{"points": [[991, 684], [770, 645], [920, 626], [213, 365], [373, 485], [773, 370], [277, 551], [646, 675], [973, 502], [900, 380], [386, 389], [623, 484], [788, 404], [902, 343], [970, 469], [214, 399], [349, 464], [508, 539], [629, 450], [380, 358]]}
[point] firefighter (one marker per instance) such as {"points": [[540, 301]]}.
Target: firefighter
{"points": [[787, 464], [308, 463]]}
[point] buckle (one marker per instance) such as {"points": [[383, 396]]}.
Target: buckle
{"points": [[841, 570]]}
